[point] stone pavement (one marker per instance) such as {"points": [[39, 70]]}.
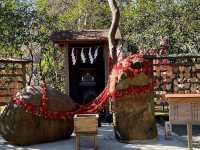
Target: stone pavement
{"points": [[181, 132], [106, 141]]}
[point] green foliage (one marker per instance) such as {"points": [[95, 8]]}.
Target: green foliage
{"points": [[14, 19], [145, 21], [77, 15], [29, 24]]}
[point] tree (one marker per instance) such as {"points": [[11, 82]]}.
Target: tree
{"points": [[29, 24], [145, 21], [113, 29], [77, 15], [15, 20]]}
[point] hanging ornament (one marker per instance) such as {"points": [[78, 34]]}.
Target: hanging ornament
{"points": [[96, 53], [73, 57], [83, 58], [90, 56]]}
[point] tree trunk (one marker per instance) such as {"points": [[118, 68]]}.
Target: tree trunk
{"points": [[113, 29], [32, 63]]}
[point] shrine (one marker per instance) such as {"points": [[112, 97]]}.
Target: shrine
{"points": [[86, 62], [115, 74]]}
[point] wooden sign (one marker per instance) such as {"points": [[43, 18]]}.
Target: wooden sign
{"points": [[184, 109]]}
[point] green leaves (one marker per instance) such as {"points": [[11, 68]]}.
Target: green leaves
{"points": [[144, 22], [47, 63], [14, 19]]}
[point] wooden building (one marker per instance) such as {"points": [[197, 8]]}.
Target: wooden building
{"points": [[86, 65]]}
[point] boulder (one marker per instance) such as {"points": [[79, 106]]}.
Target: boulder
{"points": [[139, 123], [133, 116], [20, 127]]}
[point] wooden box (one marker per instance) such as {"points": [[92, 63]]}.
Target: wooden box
{"points": [[86, 123]]}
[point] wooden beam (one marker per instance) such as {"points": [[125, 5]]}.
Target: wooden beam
{"points": [[24, 74], [17, 61], [66, 68]]}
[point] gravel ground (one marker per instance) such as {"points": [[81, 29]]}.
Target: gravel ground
{"points": [[106, 141]]}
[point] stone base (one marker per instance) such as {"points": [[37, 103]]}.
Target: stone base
{"points": [[134, 118]]}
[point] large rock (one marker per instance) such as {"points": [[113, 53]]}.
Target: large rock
{"points": [[20, 127], [134, 118], [133, 115]]}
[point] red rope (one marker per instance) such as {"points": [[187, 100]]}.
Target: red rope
{"points": [[99, 102], [92, 107]]}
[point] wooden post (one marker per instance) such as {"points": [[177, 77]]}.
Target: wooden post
{"points": [[106, 57], [66, 69], [24, 74], [77, 145], [95, 142], [189, 134], [168, 130]]}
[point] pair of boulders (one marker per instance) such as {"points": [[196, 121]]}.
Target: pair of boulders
{"points": [[20, 127], [133, 113]]}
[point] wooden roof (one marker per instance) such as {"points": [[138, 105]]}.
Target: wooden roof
{"points": [[84, 35], [12, 60]]}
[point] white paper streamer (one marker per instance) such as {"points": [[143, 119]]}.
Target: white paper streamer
{"points": [[96, 53], [83, 58], [73, 57], [90, 56]]}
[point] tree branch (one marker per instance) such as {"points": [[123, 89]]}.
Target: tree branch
{"points": [[113, 29]]}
